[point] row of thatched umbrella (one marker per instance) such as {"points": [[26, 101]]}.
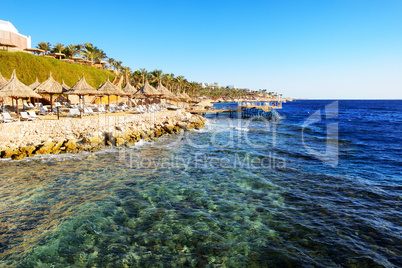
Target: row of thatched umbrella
{"points": [[16, 90]]}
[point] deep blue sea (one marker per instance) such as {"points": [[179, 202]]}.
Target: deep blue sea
{"points": [[322, 187]]}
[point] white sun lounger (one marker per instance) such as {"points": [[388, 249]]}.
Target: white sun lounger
{"points": [[7, 118], [26, 106], [74, 112], [43, 110], [25, 117], [33, 115]]}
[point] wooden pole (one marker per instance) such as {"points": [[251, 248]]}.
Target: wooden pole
{"points": [[18, 111]]}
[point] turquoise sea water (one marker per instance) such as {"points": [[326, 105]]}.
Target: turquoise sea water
{"points": [[313, 190]]}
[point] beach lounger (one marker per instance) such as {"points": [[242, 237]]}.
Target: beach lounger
{"points": [[74, 112], [7, 118], [43, 110], [26, 106], [87, 111], [33, 115], [112, 109], [92, 111], [25, 117], [103, 110]]}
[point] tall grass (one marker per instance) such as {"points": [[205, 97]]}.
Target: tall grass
{"points": [[29, 66]]}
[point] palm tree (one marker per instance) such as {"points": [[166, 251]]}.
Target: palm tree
{"points": [[136, 77], [144, 72], [58, 48], [117, 65], [89, 54], [97, 55], [110, 61], [180, 80], [169, 79], [125, 71], [44, 46], [193, 87], [80, 47], [157, 76], [70, 50]]}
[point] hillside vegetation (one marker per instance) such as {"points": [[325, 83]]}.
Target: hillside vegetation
{"points": [[29, 66]]}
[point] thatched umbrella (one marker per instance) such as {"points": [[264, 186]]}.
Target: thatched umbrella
{"points": [[102, 63], [34, 85], [186, 97], [130, 91], [34, 50], [82, 88], [67, 60], [165, 92], [147, 91], [51, 87], [7, 45], [56, 54], [107, 89], [17, 90], [3, 81], [65, 87], [179, 96]]}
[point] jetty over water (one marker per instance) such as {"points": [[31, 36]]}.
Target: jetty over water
{"points": [[245, 110]]}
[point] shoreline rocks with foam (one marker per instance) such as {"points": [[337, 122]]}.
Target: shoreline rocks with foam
{"points": [[73, 135]]}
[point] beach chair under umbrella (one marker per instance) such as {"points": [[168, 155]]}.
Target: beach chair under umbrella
{"points": [[17, 90], [108, 89], [51, 87], [130, 91], [147, 91], [81, 89]]}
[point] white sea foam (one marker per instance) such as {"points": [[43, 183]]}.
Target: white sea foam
{"points": [[242, 129]]}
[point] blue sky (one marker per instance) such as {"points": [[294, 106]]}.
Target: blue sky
{"points": [[303, 49]]}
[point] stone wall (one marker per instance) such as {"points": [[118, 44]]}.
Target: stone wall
{"points": [[24, 139]]}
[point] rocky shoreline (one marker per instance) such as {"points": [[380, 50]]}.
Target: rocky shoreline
{"points": [[71, 135]]}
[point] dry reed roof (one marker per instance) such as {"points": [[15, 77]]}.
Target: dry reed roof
{"points": [[16, 89], [37, 50], [34, 84], [165, 92], [3, 81], [129, 89], [148, 90], [100, 62], [65, 87], [7, 45], [185, 95], [50, 86], [82, 88], [108, 88], [180, 96], [56, 54]]}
